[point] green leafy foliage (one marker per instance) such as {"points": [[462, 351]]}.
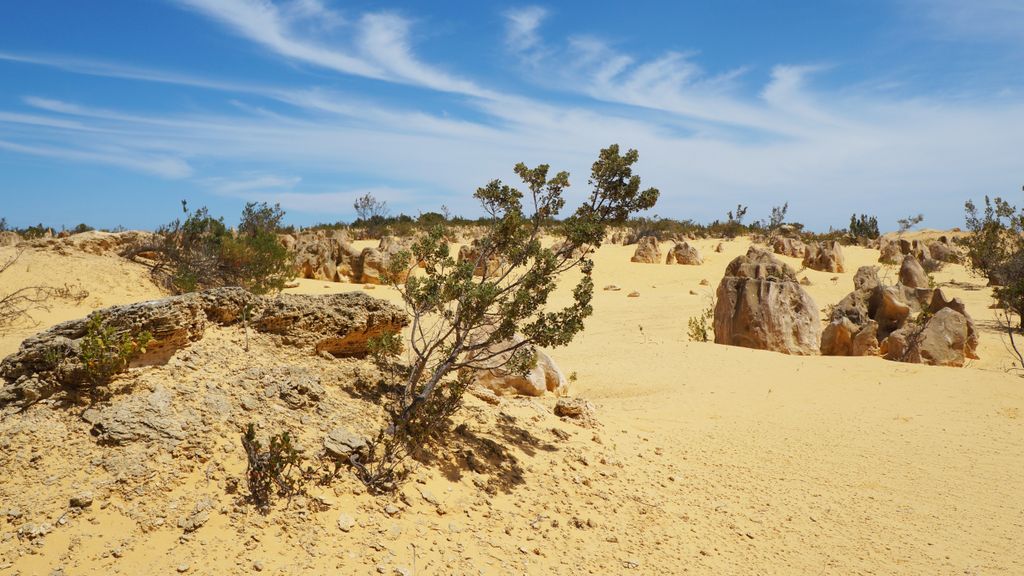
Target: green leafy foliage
{"points": [[699, 327], [995, 250], [276, 471], [863, 227], [106, 351], [464, 322], [201, 252]]}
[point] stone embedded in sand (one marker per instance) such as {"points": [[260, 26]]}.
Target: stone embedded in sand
{"points": [[866, 278], [912, 273], [577, 409], [81, 500], [342, 442], [198, 517], [134, 417], [346, 522], [545, 376], [762, 306], [683, 253], [647, 251], [824, 257], [472, 253]]}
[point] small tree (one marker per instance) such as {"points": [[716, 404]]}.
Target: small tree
{"points": [[863, 227], [995, 250], [778, 217], [734, 224], [462, 322], [909, 222]]}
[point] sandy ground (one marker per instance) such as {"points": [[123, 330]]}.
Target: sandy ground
{"points": [[708, 460]]}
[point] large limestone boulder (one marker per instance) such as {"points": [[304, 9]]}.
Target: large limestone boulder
{"points": [[375, 263], [912, 274], [791, 247], [683, 253], [944, 340], [761, 305], [545, 376], [825, 257], [339, 324], [647, 251]]}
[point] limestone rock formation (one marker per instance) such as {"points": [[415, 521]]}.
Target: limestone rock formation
{"points": [[824, 257], [683, 253], [899, 322], [761, 305], [912, 273], [647, 251], [545, 376], [338, 324], [792, 247]]}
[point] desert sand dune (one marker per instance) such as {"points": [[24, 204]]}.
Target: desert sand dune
{"points": [[708, 459]]}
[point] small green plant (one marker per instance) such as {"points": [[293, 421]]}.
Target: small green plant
{"points": [[106, 352], [573, 376], [700, 329], [276, 471]]}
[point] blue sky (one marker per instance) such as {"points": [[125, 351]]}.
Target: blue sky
{"points": [[111, 112]]}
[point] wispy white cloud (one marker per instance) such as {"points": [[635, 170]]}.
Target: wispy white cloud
{"points": [[707, 138], [377, 47], [163, 166], [521, 34]]}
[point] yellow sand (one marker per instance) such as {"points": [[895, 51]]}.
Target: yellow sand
{"points": [[709, 459]]}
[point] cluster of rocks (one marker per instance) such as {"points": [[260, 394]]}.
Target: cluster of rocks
{"points": [[761, 305], [648, 252], [824, 257], [335, 324], [932, 254], [787, 246], [329, 255], [908, 322]]}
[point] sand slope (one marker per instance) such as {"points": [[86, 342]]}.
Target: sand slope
{"points": [[709, 460]]}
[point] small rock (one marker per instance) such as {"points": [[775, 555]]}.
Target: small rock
{"points": [[81, 500], [391, 510], [634, 294], [345, 522], [612, 288], [341, 442], [182, 568], [257, 566]]}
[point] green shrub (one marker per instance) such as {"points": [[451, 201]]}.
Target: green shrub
{"points": [[202, 252], [106, 352], [699, 327], [275, 471]]}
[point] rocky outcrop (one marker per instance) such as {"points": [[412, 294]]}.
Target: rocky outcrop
{"points": [[761, 305], [96, 242], [791, 247], [339, 324], [931, 254], [899, 322], [683, 253], [647, 251], [325, 255], [824, 257]]}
